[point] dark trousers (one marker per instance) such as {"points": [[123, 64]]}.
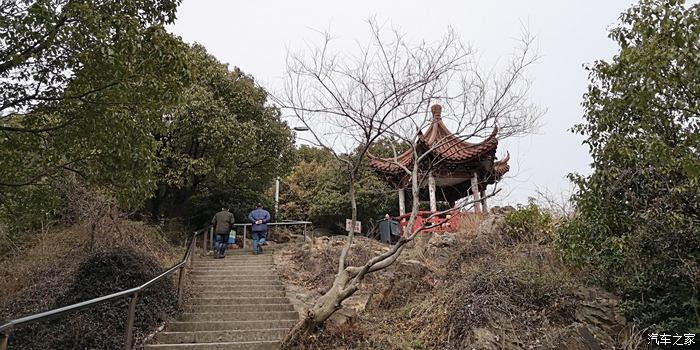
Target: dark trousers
{"points": [[220, 243], [258, 239]]}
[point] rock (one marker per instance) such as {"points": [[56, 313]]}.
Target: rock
{"points": [[502, 210], [358, 302], [483, 338], [440, 249], [491, 226], [577, 337], [342, 316]]}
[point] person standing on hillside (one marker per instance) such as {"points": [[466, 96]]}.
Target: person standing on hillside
{"points": [[259, 218], [223, 224]]}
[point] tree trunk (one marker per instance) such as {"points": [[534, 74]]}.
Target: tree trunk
{"points": [[321, 310]]}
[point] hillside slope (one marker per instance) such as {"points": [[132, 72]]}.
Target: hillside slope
{"points": [[67, 266], [480, 288]]}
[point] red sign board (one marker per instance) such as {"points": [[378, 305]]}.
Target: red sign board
{"points": [[358, 225]]}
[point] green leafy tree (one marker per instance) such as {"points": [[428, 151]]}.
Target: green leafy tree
{"points": [[221, 145], [82, 86], [316, 189], [300, 186], [329, 206], [638, 220]]}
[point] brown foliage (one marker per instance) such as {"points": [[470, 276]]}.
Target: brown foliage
{"points": [[495, 293], [97, 255]]}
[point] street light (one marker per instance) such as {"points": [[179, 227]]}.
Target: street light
{"points": [[277, 180]]}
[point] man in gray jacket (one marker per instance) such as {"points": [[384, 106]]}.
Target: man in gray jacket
{"points": [[223, 224]]}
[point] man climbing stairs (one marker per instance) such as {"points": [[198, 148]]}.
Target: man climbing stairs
{"points": [[239, 304]]}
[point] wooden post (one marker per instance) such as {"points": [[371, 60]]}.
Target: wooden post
{"points": [[475, 193], [4, 339], [484, 207], [402, 201], [245, 230], [128, 342], [180, 278], [431, 189], [193, 250], [211, 239]]}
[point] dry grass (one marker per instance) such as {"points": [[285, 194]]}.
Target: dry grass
{"points": [[495, 293], [95, 253], [316, 266]]}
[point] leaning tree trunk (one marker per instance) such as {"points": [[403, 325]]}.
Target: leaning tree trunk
{"points": [[328, 304]]}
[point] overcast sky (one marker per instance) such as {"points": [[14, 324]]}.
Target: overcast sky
{"points": [[255, 35]]}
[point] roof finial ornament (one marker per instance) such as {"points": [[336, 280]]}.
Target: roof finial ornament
{"points": [[437, 112]]}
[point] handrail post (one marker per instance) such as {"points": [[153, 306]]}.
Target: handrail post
{"points": [[128, 342], [4, 339], [193, 249], [204, 244], [211, 238], [179, 285], [245, 229]]}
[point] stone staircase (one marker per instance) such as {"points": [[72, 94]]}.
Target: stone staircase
{"points": [[239, 304]]}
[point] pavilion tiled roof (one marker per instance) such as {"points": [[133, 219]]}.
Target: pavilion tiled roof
{"points": [[444, 145], [500, 167]]}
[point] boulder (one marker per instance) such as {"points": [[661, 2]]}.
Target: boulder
{"points": [[577, 337], [599, 313], [483, 338], [341, 317], [493, 225], [440, 249]]}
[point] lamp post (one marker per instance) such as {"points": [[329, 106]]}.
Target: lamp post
{"points": [[277, 180]]}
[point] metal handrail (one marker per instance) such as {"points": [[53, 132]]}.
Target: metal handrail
{"points": [[7, 327], [245, 229]]}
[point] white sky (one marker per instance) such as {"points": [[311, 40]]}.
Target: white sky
{"points": [[255, 35]]}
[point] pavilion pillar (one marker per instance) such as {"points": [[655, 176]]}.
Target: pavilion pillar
{"points": [[484, 207], [431, 189], [402, 201], [475, 193]]}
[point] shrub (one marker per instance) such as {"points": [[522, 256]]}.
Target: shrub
{"points": [[529, 223], [103, 326], [638, 213]]}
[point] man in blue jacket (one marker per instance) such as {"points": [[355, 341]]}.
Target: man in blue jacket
{"points": [[259, 218]]}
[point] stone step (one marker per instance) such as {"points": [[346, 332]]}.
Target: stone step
{"points": [[251, 264], [228, 325], [251, 282], [234, 264], [246, 257], [233, 269], [235, 259], [257, 345], [246, 335], [240, 273], [242, 294], [239, 308], [239, 288], [248, 253], [248, 250], [239, 316], [232, 278], [239, 301]]}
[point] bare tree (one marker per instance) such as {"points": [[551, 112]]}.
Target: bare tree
{"points": [[349, 101]]}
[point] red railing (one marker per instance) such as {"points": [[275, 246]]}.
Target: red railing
{"points": [[442, 223]]}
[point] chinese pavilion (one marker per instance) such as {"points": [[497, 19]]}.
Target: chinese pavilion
{"points": [[456, 168]]}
